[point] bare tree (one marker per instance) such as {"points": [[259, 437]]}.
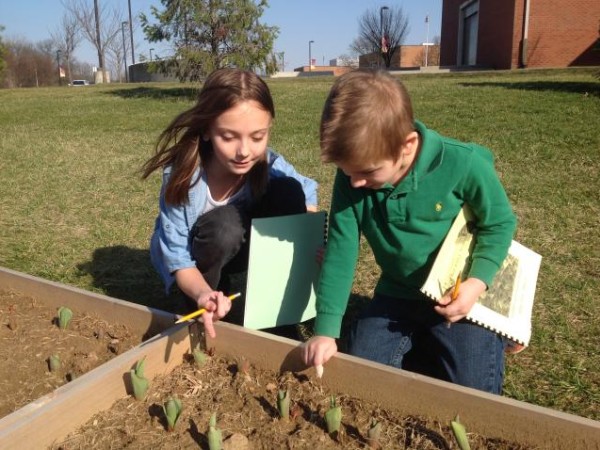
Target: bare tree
{"points": [[27, 65], [81, 70], [361, 46], [383, 30], [46, 47], [116, 58], [99, 26], [66, 38], [2, 57]]}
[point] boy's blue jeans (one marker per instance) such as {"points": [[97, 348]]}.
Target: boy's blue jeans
{"points": [[409, 334]]}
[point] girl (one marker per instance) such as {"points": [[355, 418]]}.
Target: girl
{"points": [[218, 174]]}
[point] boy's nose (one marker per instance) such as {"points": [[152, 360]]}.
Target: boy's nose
{"points": [[357, 182]]}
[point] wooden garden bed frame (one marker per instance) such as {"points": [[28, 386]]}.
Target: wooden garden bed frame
{"points": [[50, 418]]}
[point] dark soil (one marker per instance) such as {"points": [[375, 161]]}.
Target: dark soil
{"points": [[29, 335], [244, 399]]}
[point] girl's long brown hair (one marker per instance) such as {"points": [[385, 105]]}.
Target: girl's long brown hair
{"points": [[180, 144]]}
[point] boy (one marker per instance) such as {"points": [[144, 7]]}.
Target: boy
{"points": [[402, 185]]}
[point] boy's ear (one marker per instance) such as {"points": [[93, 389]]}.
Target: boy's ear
{"points": [[411, 144]]}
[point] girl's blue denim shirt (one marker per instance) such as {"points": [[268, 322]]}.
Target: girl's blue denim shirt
{"points": [[170, 245]]}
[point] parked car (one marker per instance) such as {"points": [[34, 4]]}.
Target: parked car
{"points": [[80, 83]]}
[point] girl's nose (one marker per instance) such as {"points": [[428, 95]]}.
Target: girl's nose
{"points": [[243, 149]]}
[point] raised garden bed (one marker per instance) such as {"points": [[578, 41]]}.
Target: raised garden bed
{"points": [[101, 329], [244, 399], [30, 335], [389, 394]]}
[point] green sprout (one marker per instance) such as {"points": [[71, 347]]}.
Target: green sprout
{"points": [[54, 363], [460, 433], [64, 317], [283, 404], [172, 411], [199, 357], [374, 434], [333, 417], [138, 380], [215, 441]]}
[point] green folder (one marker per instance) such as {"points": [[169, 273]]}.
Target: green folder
{"points": [[282, 270]]}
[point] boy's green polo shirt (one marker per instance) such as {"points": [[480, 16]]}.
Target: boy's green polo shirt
{"points": [[405, 225]]}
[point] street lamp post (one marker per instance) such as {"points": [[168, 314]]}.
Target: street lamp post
{"points": [[58, 52], [384, 48], [151, 50], [427, 40], [131, 33], [123, 25], [310, 43]]}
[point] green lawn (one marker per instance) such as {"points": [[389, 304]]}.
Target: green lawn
{"points": [[73, 208]]}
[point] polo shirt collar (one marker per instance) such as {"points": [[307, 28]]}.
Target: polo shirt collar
{"points": [[428, 159]]}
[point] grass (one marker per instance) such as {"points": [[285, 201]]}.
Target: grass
{"points": [[73, 208]]}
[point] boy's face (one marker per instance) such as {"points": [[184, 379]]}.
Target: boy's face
{"points": [[375, 175]]}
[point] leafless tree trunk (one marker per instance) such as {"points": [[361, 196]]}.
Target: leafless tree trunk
{"points": [[99, 26], [99, 41]]}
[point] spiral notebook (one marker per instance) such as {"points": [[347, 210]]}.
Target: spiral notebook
{"points": [[282, 269], [506, 307]]}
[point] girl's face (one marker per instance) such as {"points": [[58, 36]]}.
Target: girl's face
{"points": [[239, 137]]}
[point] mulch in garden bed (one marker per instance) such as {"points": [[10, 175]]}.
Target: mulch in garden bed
{"points": [[29, 335], [244, 399]]}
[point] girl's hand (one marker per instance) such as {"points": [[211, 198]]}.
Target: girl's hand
{"points": [[468, 294], [217, 306], [318, 350]]}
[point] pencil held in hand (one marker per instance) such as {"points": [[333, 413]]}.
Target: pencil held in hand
{"points": [[203, 310], [454, 294]]}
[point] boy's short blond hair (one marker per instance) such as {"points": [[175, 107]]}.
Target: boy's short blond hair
{"points": [[367, 117]]}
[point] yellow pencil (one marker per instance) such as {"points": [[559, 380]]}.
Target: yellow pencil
{"points": [[203, 310], [454, 295]]}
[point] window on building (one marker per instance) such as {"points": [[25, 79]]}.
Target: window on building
{"points": [[468, 25]]}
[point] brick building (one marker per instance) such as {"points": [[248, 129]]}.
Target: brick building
{"points": [[508, 34], [405, 57]]}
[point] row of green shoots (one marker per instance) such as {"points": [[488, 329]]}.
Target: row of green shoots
{"points": [[333, 416], [172, 407]]}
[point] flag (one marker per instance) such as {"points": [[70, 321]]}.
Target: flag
{"points": [[384, 44], [427, 19]]}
